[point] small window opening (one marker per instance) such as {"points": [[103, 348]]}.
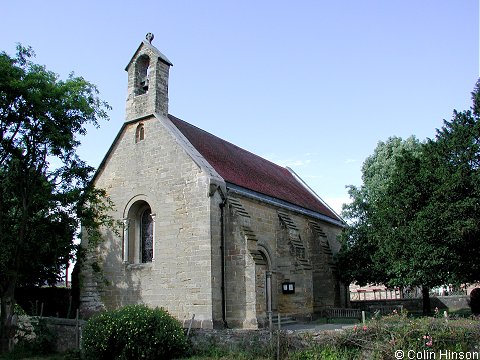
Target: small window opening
{"points": [[140, 133]]}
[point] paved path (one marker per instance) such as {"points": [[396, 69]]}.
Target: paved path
{"points": [[317, 327]]}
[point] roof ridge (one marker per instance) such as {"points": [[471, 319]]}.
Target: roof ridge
{"points": [[245, 169], [238, 147]]}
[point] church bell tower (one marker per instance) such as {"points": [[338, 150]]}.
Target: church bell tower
{"points": [[147, 82]]}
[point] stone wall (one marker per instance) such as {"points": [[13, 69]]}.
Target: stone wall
{"points": [[216, 218], [152, 169], [158, 172], [262, 238], [265, 245], [68, 333], [259, 343], [155, 99], [449, 303]]}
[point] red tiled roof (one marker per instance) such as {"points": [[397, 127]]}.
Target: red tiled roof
{"points": [[240, 167]]}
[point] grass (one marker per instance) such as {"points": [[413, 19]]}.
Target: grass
{"points": [[28, 355], [49, 357], [383, 336], [378, 340]]}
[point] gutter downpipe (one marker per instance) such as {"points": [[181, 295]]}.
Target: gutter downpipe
{"points": [[222, 250]]}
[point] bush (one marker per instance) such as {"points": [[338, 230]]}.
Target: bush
{"points": [[33, 337], [474, 301], [133, 332]]}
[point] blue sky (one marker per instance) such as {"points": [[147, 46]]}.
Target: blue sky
{"points": [[313, 85]]}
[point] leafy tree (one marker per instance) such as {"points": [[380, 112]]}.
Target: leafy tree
{"points": [[44, 186], [415, 221], [455, 162], [410, 249], [361, 259]]}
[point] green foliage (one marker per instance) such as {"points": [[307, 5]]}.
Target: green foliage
{"points": [[326, 352], [45, 189], [18, 310], [72, 354], [133, 332], [382, 337], [249, 347], [374, 231], [33, 337], [44, 185], [474, 301], [379, 339], [415, 221]]}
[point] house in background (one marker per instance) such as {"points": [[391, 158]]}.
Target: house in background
{"points": [[208, 228]]}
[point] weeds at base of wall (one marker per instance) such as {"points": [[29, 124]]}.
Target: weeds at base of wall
{"points": [[240, 344], [382, 338], [325, 352], [291, 348], [378, 339]]}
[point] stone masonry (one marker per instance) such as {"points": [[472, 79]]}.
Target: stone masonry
{"points": [[218, 254], [160, 173], [313, 274]]}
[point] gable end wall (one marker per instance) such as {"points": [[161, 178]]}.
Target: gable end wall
{"points": [[158, 171]]}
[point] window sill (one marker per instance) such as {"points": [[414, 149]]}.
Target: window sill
{"points": [[139, 266]]}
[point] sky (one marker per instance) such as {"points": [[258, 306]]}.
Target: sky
{"points": [[313, 85]]}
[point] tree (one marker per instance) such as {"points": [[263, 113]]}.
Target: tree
{"points": [[454, 158], [45, 189], [360, 259], [414, 253], [393, 242], [416, 219]]}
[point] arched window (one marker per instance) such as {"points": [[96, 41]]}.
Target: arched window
{"points": [[146, 236], [140, 133], [139, 234], [142, 73]]}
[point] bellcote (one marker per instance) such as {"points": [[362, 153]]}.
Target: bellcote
{"points": [[147, 81]]}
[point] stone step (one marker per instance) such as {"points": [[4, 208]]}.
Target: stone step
{"points": [[284, 320]]}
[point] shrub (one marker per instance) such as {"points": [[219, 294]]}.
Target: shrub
{"points": [[33, 337], [133, 332], [474, 301]]}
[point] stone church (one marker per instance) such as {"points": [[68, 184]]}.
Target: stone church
{"points": [[209, 229]]}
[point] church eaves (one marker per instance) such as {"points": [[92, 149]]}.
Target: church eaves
{"points": [[249, 171]]}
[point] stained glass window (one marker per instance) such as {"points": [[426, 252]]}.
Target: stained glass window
{"points": [[146, 236]]}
